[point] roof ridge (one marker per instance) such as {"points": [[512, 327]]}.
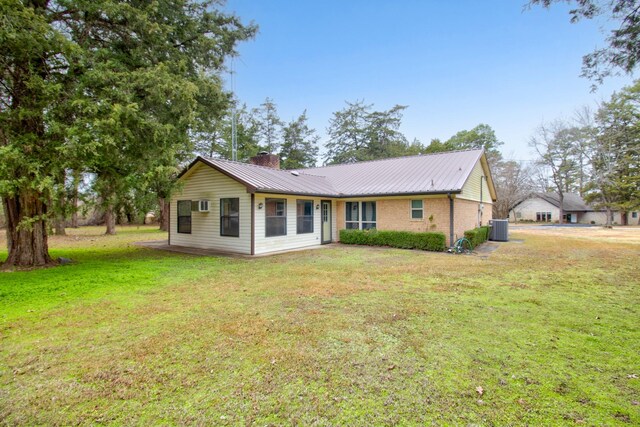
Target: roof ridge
{"points": [[267, 168], [392, 158]]}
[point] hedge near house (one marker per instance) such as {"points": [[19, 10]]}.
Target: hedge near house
{"points": [[478, 235], [395, 239]]}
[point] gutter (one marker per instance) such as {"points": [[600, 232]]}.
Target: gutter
{"points": [[350, 196]]}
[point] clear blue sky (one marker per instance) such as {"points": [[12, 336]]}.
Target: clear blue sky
{"points": [[455, 64]]}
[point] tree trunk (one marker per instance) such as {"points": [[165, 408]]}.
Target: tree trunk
{"points": [[164, 214], [608, 221], [28, 244], [74, 207], [561, 200], [58, 226], [110, 220]]}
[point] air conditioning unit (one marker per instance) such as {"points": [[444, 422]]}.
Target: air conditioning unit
{"points": [[203, 206]]}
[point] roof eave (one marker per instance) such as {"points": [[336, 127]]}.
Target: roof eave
{"points": [[351, 196]]}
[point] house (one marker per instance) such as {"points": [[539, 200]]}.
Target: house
{"points": [[545, 207], [256, 208]]}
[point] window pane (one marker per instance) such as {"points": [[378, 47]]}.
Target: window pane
{"points": [[352, 225], [368, 211], [276, 217], [276, 226], [230, 217], [304, 210], [368, 225], [416, 204], [416, 214], [230, 206], [352, 211], [184, 207], [184, 216], [184, 224]]}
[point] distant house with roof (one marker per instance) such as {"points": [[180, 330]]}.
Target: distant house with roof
{"points": [[256, 208], [545, 207]]}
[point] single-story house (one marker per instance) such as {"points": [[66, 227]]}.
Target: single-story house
{"points": [[256, 208], [545, 207]]}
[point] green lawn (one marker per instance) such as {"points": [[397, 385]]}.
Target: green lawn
{"points": [[548, 328]]}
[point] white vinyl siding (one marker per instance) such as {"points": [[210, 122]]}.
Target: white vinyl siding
{"points": [[205, 183], [292, 240], [471, 188]]}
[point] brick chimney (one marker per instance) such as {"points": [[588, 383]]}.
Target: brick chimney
{"points": [[265, 159]]}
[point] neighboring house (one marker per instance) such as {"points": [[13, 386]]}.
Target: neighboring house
{"points": [[545, 207], [253, 209]]}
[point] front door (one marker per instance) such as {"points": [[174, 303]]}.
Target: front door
{"points": [[326, 221]]}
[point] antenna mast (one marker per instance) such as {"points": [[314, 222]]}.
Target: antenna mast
{"points": [[234, 130]]}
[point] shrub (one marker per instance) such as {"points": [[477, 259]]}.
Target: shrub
{"points": [[427, 241], [478, 235]]}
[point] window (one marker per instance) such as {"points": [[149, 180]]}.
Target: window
{"points": [[230, 217], [276, 217], [417, 209], [368, 215], [352, 215], [360, 215], [634, 214], [184, 216], [304, 210], [543, 216]]}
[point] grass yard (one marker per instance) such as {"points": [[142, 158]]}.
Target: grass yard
{"points": [[543, 331]]}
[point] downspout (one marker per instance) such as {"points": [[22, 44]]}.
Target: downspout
{"points": [[450, 219], [480, 206], [169, 221], [253, 224]]}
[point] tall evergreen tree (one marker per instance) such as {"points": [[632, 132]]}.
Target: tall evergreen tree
{"points": [[299, 145], [110, 85], [615, 153], [357, 133], [269, 126]]}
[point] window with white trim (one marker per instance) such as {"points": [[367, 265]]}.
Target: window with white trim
{"points": [[417, 209], [360, 215]]}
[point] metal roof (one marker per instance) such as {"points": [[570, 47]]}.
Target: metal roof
{"points": [[270, 180], [438, 173], [571, 201], [432, 173]]}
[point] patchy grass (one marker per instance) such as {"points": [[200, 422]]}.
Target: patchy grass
{"points": [[547, 328]]}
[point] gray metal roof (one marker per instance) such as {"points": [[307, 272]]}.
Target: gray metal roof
{"points": [[424, 174], [571, 202], [265, 179], [432, 173]]}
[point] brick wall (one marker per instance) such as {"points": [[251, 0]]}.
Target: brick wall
{"points": [[340, 216], [396, 215], [466, 216]]}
